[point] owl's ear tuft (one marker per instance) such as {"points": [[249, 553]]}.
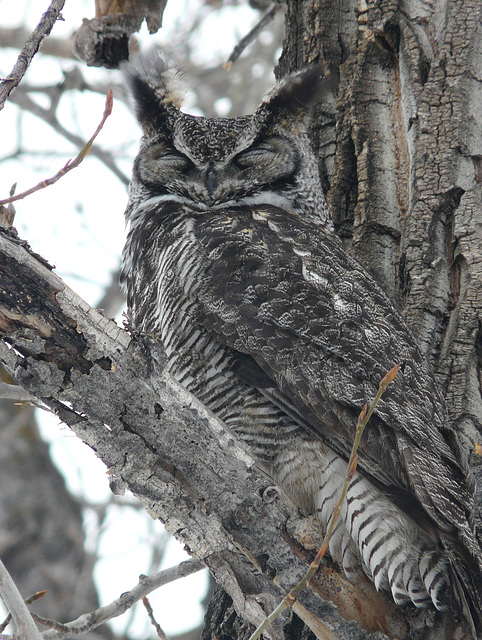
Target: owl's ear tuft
{"points": [[155, 87], [298, 93]]}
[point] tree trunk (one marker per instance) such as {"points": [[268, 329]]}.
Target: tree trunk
{"points": [[400, 157]]}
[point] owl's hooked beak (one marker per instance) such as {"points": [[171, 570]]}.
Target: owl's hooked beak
{"points": [[210, 179]]}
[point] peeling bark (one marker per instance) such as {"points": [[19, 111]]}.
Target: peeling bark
{"points": [[103, 41]]}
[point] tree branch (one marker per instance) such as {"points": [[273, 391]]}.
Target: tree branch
{"points": [[24, 101], [252, 35], [125, 601], [14, 37], [26, 627], [71, 164], [31, 47]]}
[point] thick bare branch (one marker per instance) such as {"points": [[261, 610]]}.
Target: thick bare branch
{"points": [[104, 40]]}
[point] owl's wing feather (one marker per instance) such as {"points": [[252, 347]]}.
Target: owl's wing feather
{"points": [[325, 334]]}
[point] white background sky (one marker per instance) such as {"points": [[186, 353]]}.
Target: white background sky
{"points": [[78, 226]]}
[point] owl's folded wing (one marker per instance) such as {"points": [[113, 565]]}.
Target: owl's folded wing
{"points": [[286, 295]]}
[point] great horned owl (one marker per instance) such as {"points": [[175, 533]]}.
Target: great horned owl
{"points": [[231, 261]]}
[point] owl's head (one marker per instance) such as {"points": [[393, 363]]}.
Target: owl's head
{"points": [[211, 163]]}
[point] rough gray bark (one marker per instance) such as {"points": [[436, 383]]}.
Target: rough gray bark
{"points": [[401, 157], [402, 160]]}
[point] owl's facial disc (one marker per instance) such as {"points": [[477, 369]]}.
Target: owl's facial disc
{"points": [[217, 174]]}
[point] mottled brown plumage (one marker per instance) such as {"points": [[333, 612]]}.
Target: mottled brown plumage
{"points": [[232, 262]]}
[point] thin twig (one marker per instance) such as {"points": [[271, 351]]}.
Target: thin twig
{"points": [[362, 421], [29, 600], [251, 36], [51, 624], [71, 164], [36, 596], [88, 621], [44, 27], [26, 627], [155, 624], [7, 214], [24, 101]]}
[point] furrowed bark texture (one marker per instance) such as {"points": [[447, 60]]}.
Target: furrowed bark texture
{"points": [[159, 442], [402, 160], [405, 179]]}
